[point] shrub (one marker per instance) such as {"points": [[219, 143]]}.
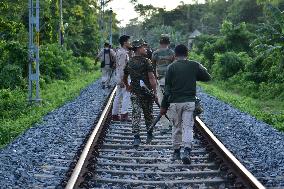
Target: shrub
{"points": [[11, 77], [228, 64], [57, 63]]}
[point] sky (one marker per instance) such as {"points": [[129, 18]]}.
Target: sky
{"points": [[125, 10]]}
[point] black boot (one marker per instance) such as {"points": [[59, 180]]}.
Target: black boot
{"points": [[149, 136], [136, 141], [176, 155], [186, 156]]}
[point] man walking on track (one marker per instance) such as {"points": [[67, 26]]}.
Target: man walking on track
{"points": [[107, 58], [142, 88], [179, 99], [161, 58], [122, 58]]}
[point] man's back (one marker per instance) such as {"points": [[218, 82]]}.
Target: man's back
{"points": [[181, 80], [138, 68], [162, 58]]}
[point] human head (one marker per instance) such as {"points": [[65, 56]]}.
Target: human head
{"points": [[181, 51], [124, 41], [139, 47], [165, 41], [106, 45]]}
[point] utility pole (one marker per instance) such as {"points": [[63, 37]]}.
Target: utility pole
{"points": [[34, 50], [110, 33], [61, 28], [102, 22]]}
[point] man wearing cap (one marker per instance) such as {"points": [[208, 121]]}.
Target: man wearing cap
{"points": [[179, 99], [142, 88], [107, 58], [122, 95], [161, 58]]}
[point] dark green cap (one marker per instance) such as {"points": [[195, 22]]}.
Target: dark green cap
{"points": [[138, 43]]}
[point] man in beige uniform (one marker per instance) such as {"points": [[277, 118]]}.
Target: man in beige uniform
{"points": [[122, 95], [179, 98], [107, 58]]}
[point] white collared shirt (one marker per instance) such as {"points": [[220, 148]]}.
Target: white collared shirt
{"points": [[122, 57]]}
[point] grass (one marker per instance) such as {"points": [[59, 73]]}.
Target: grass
{"points": [[18, 116], [270, 111]]}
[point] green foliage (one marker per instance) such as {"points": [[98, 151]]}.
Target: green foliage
{"points": [[269, 111], [11, 77], [16, 115], [57, 64], [271, 34], [228, 64]]}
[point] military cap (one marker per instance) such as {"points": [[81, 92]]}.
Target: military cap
{"points": [[138, 43], [165, 39]]}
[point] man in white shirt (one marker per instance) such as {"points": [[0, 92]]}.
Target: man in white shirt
{"points": [[107, 58], [122, 95]]}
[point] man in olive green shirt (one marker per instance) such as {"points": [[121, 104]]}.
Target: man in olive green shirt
{"points": [[179, 99]]}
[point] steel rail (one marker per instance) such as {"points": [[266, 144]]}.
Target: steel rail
{"points": [[236, 166], [78, 170], [240, 171]]}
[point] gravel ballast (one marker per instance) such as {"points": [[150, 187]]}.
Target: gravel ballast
{"points": [[41, 156], [256, 144]]}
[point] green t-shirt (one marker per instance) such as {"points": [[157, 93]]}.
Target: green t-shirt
{"points": [[138, 68], [181, 80], [162, 58]]}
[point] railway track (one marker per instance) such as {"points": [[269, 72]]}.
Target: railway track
{"points": [[110, 161]]}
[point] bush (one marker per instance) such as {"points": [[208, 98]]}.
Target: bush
{"points": [[86, 63], [11, 77], [57, 63], [228, 64]]}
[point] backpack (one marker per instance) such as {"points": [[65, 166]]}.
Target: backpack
{"points": [[111, 64]]}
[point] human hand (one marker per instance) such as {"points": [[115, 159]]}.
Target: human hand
{"points": [[163, 111], [129, 88], [121, 85]]}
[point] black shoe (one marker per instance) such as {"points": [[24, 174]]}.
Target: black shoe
{"points": [[176, 155], [186, 156], [136, 141], [149, 137]]}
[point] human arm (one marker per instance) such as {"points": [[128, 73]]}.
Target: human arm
{"points": [[165, 102], [202, 74]]}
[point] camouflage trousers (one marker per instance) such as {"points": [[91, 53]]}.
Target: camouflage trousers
{"points": [[141, 105]]}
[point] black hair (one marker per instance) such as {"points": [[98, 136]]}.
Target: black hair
{"points": [[123, 39], [106, 44], [181, 50]]}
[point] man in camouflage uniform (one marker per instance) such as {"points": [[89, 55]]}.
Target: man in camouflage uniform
{"points": [[161, 58], [142, 88]]}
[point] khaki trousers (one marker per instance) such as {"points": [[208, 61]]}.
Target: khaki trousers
{"points": [[106, 74], [181, 115], [164, 122]]}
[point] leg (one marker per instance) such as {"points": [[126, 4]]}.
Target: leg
{"points": [[187, 129], [187, 124], [125, 101], [116, 104], [147, 106], [136, 114], [176, 116], [125, 105], [104, 76], [109, 70], [164, 122]]}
